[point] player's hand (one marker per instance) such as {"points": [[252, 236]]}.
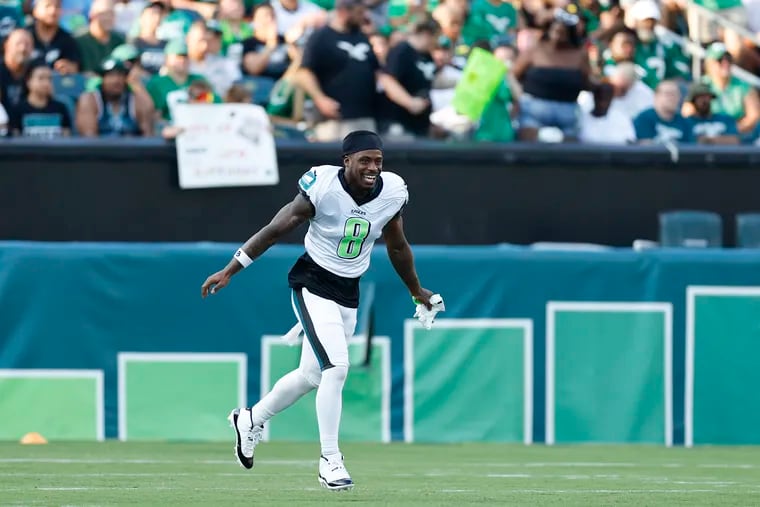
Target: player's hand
{"points": [[423, 296], [214, 283], [328, 107], [417, 105]]}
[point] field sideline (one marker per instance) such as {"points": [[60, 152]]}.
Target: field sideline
{"points": [[160, 474]]}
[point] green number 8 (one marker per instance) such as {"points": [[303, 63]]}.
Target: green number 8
{"points": [[354, 234]]}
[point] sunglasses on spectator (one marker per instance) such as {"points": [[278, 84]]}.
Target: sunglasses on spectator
{"points": [[565, 17]]}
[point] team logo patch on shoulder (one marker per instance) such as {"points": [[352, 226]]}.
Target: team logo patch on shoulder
{"points": [[308, 180]]}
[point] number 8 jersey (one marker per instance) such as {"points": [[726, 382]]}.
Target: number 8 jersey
{"points": [[343, 231]]}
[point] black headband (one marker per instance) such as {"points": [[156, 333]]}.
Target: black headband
{"points": [[360, 140]]}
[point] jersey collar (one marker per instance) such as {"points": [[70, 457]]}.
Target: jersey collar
{"points": [[371, 195]]}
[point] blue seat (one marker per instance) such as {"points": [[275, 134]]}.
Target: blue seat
{"points": [[691, 229], [69, 85], [71, 105], [748, 230], [259, 87]]}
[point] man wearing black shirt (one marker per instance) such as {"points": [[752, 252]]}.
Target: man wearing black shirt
{"points": [[340, 73], [17, 50], [411, 63], [52, 43]]}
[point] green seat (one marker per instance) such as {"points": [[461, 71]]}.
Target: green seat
{"points": [[748, 230]]}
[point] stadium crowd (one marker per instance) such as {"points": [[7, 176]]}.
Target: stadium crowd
{"points": [[596, 71]]}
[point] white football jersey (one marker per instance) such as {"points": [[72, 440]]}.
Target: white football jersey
{"points": [[342, 232]]}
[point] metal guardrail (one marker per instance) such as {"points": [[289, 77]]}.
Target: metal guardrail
{"points": [[695, 49]]}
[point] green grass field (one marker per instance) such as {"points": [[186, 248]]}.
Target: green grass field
{"points": [[161, 474]]}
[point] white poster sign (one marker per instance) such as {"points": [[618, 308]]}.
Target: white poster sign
{"points": [[224, 145]]}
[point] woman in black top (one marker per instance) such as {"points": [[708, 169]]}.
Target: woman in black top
{"points": [[38, 114], [553, 73]]}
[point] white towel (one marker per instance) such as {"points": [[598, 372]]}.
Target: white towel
{"points": [[427, 317]]}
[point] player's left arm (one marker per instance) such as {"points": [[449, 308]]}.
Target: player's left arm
{"points": [[402, 258], [293, 214]]}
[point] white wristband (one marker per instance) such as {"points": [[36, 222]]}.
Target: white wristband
{"points": [[243, 258]]}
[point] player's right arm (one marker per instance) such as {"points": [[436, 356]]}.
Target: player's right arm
{"points": [[293, 214]]}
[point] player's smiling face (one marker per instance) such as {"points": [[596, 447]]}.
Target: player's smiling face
{"points": [[363, 168]]}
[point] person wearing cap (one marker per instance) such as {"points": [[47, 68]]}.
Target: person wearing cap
{"points": [[708, 127], [98, 42], [204, 45], [656, 58], [112, 109], [52, 43], [348, 208], [147, 42], [733, 96], [341, 74], [171, 88], [663, 123]]}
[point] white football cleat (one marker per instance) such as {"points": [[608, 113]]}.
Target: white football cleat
{"points": [[333, 474], [247, 436]]}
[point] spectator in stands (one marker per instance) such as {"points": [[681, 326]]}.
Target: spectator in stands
{"points": [[147, 42], [266, 53], [290, 13], [17, 51], [100, 40], [631, 96], [732, 96], [708, 127], [657, 58], [38, 114], [451, 20], [11, 17], [204, 43], [446, 77], [411, 64], [234, 28], [496, 122], [622, 48], [553, 73], [488, 19], [340, 73], [663, 123], [604, 124], [172, 88], [112, 110], [52, 43]]}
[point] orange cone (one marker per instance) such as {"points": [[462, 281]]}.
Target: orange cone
{"points": [[33, 439]]}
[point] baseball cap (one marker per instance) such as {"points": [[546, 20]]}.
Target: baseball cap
{"points": [[716, 51], [125, 52], [645, 9], [176, 47], [112, 64], [214, 26], [697, 89]]}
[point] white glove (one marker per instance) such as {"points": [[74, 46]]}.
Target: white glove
{"points": [[427, 317], [293, 337]]}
